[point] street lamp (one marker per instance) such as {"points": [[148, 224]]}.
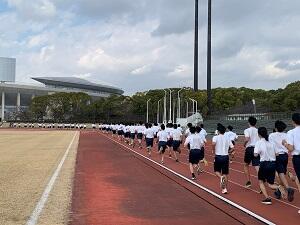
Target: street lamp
{"points": [[147, 120], [179, 103], [165, 107], [194, 101], [170, 113], [187, 109], [158, 107]]}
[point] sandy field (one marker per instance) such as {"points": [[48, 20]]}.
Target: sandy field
{"points": [[27, 161]]}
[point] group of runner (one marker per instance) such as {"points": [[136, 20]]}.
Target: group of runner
{"points": [[269, 154]]}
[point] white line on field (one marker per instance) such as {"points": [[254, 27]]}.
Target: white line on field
{"points": [[247, 211], [41, 203]]}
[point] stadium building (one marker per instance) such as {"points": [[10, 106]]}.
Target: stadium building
{"points": [[16, 97]]}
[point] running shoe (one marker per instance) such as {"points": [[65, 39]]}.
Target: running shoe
{"points": [[162, 162], [193, 177], [290, 192], [248, 184], [224, 191], [267, 201], [177, 160], [277, 194], [199, 170], [222, 182], [170, 156]]}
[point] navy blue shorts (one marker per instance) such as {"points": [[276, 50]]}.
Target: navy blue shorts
{"points": [[281, 163], [162, 145], [249, 157], [196, 155], [296, 163], [266, 172], [170, 143], [221, 164], [176, 145], [114, 131], [149, 142], [127, 135], [132, 135], [140, 136]]}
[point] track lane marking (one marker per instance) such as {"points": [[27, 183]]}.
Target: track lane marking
{"points": [[41, 203]]}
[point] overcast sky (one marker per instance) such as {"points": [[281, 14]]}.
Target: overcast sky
{"points": [[145, 44]]}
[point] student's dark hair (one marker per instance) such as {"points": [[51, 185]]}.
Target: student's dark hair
{"points": [[230, 128], [221, 129], [175, 126], [198, 129], [149, 125], [178, 125], [219, 125], [262, 131], [252, 121], [296, 118], [162, 127], [192, 129], [141, 123], [171, 125], [155, 124], [280, 126], [189, 125], [202, 125]]}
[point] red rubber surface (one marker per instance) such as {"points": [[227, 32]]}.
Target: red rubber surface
{"points": [[114, 186]]}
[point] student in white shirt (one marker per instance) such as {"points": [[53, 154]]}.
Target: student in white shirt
{"points": [[176, 136], [251, 137], [232, 137], [169, 130], [203, 131], [179, 128], [140, 131], [293, 144], [132, 134], [196, 143], [221, 145], [149, 137], [267, 169], [155, 129], [162, 138], [282, 157]]}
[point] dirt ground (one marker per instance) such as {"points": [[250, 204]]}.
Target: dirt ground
{"points": [[27, 162]]}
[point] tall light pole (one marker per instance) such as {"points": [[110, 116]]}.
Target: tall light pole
{"points": [[147, 119], [165, 107], [194, 102], [170, 113], [196, 48], [209, 95], [158, 107], [179, 103], [187, 109]]}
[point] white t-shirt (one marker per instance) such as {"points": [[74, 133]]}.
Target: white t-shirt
{"points": [[169, 131], [195, 141], [222, 144], [266, 150], [162, 136], [203, 132], [132, 129], [231, 135], [149, 133], [187, 132], [293, 138], [140, 129], [276, 139], [176, 135], [155, 129], [180, 129], [252, 134]]}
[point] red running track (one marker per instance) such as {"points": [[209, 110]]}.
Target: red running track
{"points": [[113, 186], [281, 212]]}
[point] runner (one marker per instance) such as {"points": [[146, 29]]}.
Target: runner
{"points": [[140, 131], [195, 154], [282, 157], [132, 129], [293, 144], [233, 138], [251, 137], [162, 138], [267, 169], [149, 137], [176, 136], [221, 145]]}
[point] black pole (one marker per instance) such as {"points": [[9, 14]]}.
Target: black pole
{"points": [[209, 95], [196, 48]]}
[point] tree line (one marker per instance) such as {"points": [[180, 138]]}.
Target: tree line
{"points": [[79, 107]]}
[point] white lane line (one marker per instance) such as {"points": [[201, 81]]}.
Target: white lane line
{"points": [[41, 203], [247, 211]]}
